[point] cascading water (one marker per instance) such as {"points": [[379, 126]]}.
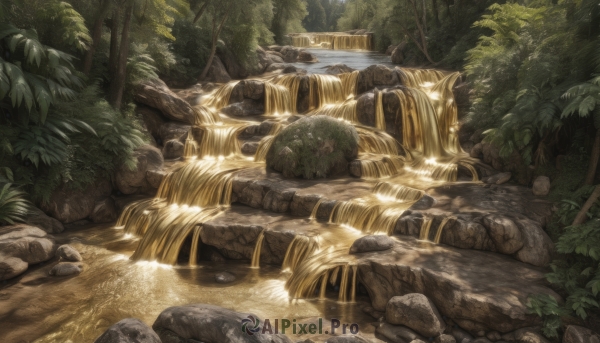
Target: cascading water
{"points": [[332, 40], [199, 189]]}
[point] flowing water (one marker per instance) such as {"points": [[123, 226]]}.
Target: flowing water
{"points": [[136, 268]]}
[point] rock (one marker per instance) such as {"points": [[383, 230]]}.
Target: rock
{"points": [[286, 67], [538, 248], [290, 54], [417, 312], [253, 89], [232, 66], [11, 267], [317, 146], [68, 253], [66, 269], [445, 339], [398, 54], [498, 179], [396, 334], [376, 76], [134, 181], [371, 243], [541, 186], [578, 334], [355, 169], [217, 72], [338, 69], [460, 335], [346, 339], [105, 211], [224, 277], [245, 108], [477, 151], [494, 336], [275, 57], [172, 130], [38, 218], [70, 205], [207, 323], [481, 340], [425, 203], [390, 49], [155, 177], [129, 330], [156, 94], [173, 149], [525, 335], [152, 118], [504, 232], [250, 148], [365, 109], [307, 57], [28, 243]]}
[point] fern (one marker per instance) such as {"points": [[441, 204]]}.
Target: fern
{"points": [[13, 206], [71, 25]]}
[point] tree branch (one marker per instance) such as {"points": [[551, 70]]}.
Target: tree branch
{"points": [[582, 215]]}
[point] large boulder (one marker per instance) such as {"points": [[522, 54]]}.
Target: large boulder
{"points": [[156, 94], [134, 181], [217, 72], [105, 211], [129, 330], [417, 312], [173, 149], [578, 334], [317, 146], [377, 76], [290, 54], [68, 204], [172, 130], [22, 245], [338, 69], [398, 53], [504, 232], [208, 324], [365, 109], [38, 218], [152, 120], [231, 64]]}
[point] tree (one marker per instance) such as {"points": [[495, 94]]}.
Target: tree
{"points": [[287, 17], [316, 19]]}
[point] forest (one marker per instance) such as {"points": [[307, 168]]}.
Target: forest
{"points": [[69, 70]]}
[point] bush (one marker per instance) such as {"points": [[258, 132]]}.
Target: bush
{"points": [[318, 146], [13, 206]]}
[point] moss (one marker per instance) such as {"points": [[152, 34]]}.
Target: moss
{"points": [[314, 147]]}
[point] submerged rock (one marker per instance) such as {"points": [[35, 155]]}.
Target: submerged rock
{"points": [[209, 324], [68, 253], [129, 330], [417, 312], [371, 243], [314, 147], [66, 269], [224, 277], [338, 69]]}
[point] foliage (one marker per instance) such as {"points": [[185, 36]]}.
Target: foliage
{"points": [[316, 19], [287, 17], [13, 206]]}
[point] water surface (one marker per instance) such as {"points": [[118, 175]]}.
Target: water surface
{"points": [[355, 59]]}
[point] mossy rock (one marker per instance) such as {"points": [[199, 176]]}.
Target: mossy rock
{"points": [[314, 147]]}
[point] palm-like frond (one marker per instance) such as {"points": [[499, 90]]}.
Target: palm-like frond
{"points": [[13, 206]]}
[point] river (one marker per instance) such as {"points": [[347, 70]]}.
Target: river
{"points": [[354, 59]]}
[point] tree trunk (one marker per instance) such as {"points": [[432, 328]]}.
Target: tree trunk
{"points": [[96, 36], [213, 48], [117, 85], [200, 12], [436, 16], [582, 215], [591, 174], [113, 57], [422, 41]]}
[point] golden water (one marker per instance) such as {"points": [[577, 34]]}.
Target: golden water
{"points": [[199, 189], [332, 40]]}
